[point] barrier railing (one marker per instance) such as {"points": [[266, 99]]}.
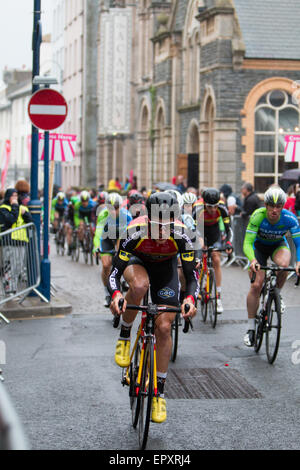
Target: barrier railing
{"points": [[19, 262]]}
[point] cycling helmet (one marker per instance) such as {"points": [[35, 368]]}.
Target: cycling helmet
{"points": [[275, 195], [211, 196], [135, 198], [189, 198], [60, 196], [85, 196], [176, 194], [114, 199], [163, 206], [102, 196]]}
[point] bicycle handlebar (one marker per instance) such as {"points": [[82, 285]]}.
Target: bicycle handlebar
{"points": [[274, 269], [156, 309]]}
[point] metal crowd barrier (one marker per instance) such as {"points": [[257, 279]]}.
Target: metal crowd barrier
{"points": [[19, 262]]}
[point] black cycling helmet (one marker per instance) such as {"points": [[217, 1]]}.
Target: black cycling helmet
{"points": [[135, 198], [163, 206], [211, 196]]}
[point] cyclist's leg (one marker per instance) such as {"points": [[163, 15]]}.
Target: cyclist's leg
{"points": [[261, 254], [138, 280], [282, 257], [81, 228]]}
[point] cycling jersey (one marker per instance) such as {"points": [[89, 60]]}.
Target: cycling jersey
{"points": [[149, 250], [270, 235], [109, 228], [213, 223], [82, 213], [59, 207]]}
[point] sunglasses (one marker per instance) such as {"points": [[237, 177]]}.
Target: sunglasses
{"points": [[211, 205], [278, 206]]}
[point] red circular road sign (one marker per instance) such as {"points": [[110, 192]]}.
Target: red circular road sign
{"points": [[47, 109]]}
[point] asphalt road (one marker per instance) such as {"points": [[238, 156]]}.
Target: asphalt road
{"points": [[61, 376]]}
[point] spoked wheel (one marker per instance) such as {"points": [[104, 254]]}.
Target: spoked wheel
{"points": [[134, 399], [273, 327], [203, 304], [146, 395], [212, 303], [86, 247], [62, 244], [174, 335], [259, 332]]}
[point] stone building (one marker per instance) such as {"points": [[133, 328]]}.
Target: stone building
{"points": [[214, 88]]}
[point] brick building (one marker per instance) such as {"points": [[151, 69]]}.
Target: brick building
{"points": [[213, 92]]}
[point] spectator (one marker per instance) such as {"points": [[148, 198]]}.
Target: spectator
{"points": [[23, 188], [232, 201], [291, 199], [181, 184], [251, 200]]}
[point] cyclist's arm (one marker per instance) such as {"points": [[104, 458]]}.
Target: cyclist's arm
{"points": [[101, 222], [188, 261], [251, 234], [295, 233]]}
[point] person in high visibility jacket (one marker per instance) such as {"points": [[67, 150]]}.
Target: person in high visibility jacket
{"points": [[13, 215]]}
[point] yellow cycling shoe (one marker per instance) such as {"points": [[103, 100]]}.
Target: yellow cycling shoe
{"points": [[159, 410], [122, 354]]}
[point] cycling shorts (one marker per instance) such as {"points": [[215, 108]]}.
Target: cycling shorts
{"points": [[164, 281], [263, 252], [212, 236], [108, 247]]}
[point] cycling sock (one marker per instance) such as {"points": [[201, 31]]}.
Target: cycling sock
{"points": [[106, 291], [251, 323], [161, 379], [125, 330]]}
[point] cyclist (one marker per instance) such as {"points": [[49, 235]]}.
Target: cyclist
{"points": [[58, 207], [83, 212], [265, 237], [111, 222], [148, 256], [136, 204], [70, 222], [213, 215]]}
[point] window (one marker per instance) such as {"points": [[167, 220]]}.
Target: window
{"points": [[275, 117]]}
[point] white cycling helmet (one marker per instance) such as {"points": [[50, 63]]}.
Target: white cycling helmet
{"points": [[114, 199], [85, 196], [189, 198], [275, 195], [178, 196], [60, 195]]}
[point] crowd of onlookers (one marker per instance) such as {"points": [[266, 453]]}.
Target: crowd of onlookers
{"points": [[243, 204]]}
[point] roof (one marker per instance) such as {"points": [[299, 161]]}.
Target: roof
{"points": [[270, 28]]}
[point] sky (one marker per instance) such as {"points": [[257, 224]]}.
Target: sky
{"points": [[16, 25]]}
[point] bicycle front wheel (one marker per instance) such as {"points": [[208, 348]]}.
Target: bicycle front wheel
{"points": [[174, 336], [202, 300], [134, 398], [146, 395], [212, 303], [259, 332], [273, 327]]}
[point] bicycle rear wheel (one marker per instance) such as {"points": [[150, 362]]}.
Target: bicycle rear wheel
{"points": [[174, 335], [273, 327], [146, 395], [212, 303]]}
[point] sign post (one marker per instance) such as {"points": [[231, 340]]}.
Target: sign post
{"points": [[47, 110]]}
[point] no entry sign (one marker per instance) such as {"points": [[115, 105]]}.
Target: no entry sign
{"points": [[47, 109]]}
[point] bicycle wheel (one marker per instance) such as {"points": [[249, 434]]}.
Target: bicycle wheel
{"points": [[86, 248], [259, 331], [203, 303], [62, 244], [273, 326], [146, 395], [174, 336], [212, 303], [134, 399]]}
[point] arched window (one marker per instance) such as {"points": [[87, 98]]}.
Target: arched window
{"points": [[275, 116]]}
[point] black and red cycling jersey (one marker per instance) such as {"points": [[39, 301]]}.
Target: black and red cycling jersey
{"points": [[149, 250], [213, 222]]}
